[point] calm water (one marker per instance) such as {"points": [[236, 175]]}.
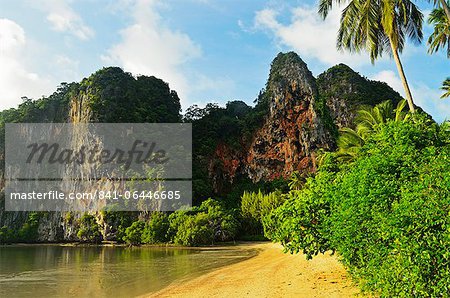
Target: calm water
{"points": [[63, 271]]}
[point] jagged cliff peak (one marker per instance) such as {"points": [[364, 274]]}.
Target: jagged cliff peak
{"points": [[287, 68], [292, 130]]}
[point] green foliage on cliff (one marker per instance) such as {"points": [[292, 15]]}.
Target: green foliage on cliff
{"points": [[385, 213], [115, 96], [53, 108], [232, 126], [27, 233], [341, 81]]}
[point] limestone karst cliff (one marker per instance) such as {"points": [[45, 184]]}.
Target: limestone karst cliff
{"points": [[302, 114], [293, 130], [295, 116]]}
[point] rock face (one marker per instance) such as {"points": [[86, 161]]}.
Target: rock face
{"points": [[296, 116], [302, 115], [225, 166], [292, 131], [109, 95]]}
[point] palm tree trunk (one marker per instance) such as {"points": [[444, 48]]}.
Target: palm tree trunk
{"points": [[401, 72], [446, 9]]}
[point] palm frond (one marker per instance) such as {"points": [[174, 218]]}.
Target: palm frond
{"points": [[440, 38], [446, 88]]}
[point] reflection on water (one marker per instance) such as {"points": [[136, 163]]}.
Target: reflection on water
{"points": [[56, 271]]}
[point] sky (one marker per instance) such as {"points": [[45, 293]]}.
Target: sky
{"points": [[207, 50]]}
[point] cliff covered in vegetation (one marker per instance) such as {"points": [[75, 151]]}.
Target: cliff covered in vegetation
{"points": [[295, 117], [236, 148]]}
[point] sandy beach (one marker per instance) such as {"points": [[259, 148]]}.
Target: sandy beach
{"points": [[269, 274]]}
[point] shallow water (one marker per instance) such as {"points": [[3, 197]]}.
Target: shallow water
{"points": [[66, 271]]}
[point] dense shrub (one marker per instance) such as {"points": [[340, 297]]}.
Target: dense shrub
{"points": [[133, 234], [89, 229], [29, 231], [299, 224], [256, 205], [156, 228], [386, 213], [205, 224], [6, 235], [201, 225], [117, 222], [194, 230]]}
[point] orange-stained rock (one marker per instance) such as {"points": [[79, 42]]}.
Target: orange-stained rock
{"points": [[293, 131]]}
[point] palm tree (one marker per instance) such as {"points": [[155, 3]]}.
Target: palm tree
{"points": [[378, 26], [443, 4], [440, 38], [446, 88], [368, 122], [349, 144]]}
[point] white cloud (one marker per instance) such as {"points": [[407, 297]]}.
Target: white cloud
{"points": [[16, 80], [308, 34], [69, 68], [150, 47], [424, 96], [391, 78], [64, 19]]}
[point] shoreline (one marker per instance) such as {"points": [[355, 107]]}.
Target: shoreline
{"points": [[271, 273], [218, 246]]}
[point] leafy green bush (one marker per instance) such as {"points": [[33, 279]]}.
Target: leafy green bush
{"points": [[117, 222], [300, 223], [256, 205], [205, 224], [89, 229], [133, 234], [29, 231], [386, 213], [194, 230], [6, 235], [156, 228], [201, 225]]}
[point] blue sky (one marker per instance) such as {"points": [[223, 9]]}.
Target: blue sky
{"points": [[207, 50]]}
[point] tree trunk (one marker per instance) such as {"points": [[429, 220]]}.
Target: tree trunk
{"points": [[446, 9], [401, 72]]}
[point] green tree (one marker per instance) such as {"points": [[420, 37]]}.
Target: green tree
{"points": [[133, 234], [203, 224], [443, 4], [29, 231], [89, 229], [156, 228], [377, 27], [256, 205], [368, 122], [440, 38]]}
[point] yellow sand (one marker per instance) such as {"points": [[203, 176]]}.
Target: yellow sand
{"points": [[269, 274]]}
